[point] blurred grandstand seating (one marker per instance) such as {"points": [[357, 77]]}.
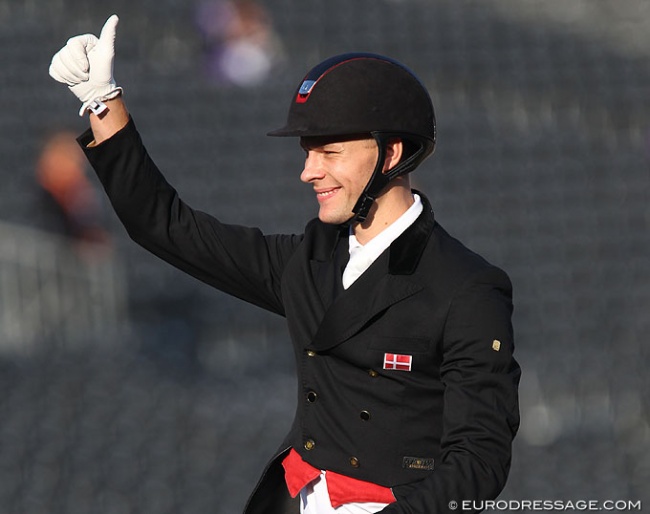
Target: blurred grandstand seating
{"points": [[542, 166], [57, 294]]}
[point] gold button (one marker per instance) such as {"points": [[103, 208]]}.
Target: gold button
{"points": [[311, 353], [310, 444], [354, 462], [372, 373]]}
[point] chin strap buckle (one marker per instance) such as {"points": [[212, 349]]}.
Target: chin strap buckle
{"points": [[362, 208]]}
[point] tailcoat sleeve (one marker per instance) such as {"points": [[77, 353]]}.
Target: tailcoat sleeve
{"points": [[481, 412], [240, 261]]}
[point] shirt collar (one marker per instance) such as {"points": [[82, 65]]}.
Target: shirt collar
{"points": [[384, 239], [363, 256]]}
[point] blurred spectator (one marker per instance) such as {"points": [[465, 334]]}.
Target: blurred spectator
{"points": [[240, 45], [69, 201]]}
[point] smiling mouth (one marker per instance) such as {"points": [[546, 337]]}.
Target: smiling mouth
{"points": [[321, 195]]}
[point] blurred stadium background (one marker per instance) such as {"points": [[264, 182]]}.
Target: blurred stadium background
{"points": [[126, 387]]}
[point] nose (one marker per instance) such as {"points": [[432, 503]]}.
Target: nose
{"points": [[313, 169]]}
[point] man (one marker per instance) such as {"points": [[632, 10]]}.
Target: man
{"points": [[407, 388]]}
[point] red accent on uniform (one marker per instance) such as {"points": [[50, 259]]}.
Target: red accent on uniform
{"points": [[342, 489], [297, 473]]}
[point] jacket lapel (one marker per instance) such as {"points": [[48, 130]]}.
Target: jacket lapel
{"points": [[389, 280], [373, 292]]}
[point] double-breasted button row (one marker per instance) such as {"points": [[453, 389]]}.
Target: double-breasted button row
{"points": [[310, 444], [312, 397]]}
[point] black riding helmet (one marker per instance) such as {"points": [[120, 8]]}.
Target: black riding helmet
{"points": [[357, 93]]}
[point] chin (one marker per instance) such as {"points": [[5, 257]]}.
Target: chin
{"points": [[333, 218]]}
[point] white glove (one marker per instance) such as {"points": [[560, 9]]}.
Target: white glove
{"points": [[85, 64]]}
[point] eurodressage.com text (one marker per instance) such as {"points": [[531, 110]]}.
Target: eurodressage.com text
{"points": [[548, 505]]}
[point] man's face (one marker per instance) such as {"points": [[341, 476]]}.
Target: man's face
{"points": [[338, 169]]}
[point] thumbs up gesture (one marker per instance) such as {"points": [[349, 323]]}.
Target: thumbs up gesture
{"points": [[85, 64]]}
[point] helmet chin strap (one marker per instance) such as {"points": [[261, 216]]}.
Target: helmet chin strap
{"points": [[379, 180]]}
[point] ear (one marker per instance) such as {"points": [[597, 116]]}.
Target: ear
{"points": [[394, 151]]}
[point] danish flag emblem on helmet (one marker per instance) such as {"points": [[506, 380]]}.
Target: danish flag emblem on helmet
{"points": [[398, 362]]}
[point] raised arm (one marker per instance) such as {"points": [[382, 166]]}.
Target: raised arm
{"points": [[238, 260]]}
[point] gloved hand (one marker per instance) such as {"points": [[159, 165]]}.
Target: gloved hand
{"points": [[85, 64]]}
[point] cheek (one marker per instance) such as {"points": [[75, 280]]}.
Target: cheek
{"points": [[365, 170]]}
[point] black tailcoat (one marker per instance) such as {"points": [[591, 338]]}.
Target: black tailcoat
{"points": [[437, 433]]}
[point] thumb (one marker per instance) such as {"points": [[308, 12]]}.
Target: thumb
{"points": [[107, 35]]}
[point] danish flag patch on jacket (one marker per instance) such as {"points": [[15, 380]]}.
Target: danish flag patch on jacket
{"points": [[398, 362]]}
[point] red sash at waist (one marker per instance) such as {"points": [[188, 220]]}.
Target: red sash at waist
{"points": [[342, 489]]}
